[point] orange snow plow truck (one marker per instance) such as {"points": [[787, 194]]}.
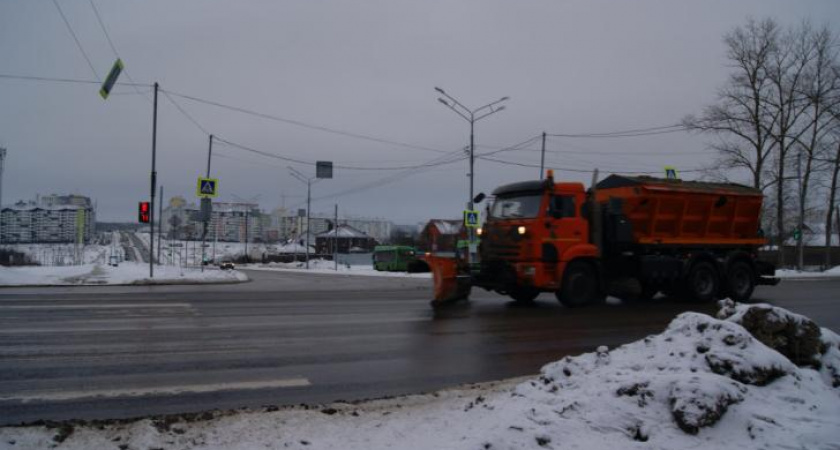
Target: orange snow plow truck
{"points": [[629, 237]]}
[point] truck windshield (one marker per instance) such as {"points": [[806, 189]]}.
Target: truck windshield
{"points": [[516, 206]]}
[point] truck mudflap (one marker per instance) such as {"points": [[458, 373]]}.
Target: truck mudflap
{"points": [[451, 282], [766, 274]]}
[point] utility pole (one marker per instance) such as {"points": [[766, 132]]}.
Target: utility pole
{"points": [[160, 223], [304, 179], [154, 185], [471, 116], [207, 219], [335, 239], [801, 241], [542, 158], [247, 260]]}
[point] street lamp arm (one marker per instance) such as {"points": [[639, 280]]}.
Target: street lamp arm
{"points": [[452, 99], [491, 105], [464, 116], [493, 111]]}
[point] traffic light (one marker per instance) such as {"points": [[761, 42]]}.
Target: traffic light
{"points": [[143, 212]]}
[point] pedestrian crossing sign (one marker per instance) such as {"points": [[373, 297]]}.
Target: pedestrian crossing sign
{"points": [[470, 219], [207, 187], [671, 173]]}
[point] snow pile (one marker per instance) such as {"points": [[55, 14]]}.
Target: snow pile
{"points": [[323, 266], [702, 383], [125, 273]]}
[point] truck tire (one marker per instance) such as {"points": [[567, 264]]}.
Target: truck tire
{"points": [[703, 282], [524, 296], [740, 281], [580, 286]]}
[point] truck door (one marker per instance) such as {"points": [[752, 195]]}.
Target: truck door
{"points": [[567, 227]]}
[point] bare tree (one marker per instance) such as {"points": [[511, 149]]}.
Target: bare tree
{"points": [[821, 94], [740, 119], [786, 70]]}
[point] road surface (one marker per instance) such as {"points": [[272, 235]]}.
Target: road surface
{"points": [[288, 338]]}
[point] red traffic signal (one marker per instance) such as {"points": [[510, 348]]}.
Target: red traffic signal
{"points": [[143, 212]]}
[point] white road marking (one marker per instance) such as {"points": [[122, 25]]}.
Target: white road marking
{"points": [[159, 390], [99, 305]]}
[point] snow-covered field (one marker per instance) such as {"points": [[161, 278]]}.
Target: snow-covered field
{"points": [[329, 267], [704, 382], [101, 274]]}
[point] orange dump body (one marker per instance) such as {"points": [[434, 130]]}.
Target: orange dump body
{"points": [[675, 212]]}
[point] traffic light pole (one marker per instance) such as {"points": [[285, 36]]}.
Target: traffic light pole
{"points": [[154, 186], [206, 219]]}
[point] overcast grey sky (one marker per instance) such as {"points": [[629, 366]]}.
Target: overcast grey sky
{"points": [[364, 67]]}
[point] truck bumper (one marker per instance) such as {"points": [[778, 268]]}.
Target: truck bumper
{"points": [[504, 276]]}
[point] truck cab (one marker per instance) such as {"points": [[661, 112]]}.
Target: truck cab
{"points": [[532, 231]]}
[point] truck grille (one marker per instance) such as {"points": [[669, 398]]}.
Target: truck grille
{"points": [[499, 243]]}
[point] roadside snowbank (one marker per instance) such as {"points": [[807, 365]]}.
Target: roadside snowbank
{"points": [[125, 273], [834, 272], [702, 383], [328, 267]]}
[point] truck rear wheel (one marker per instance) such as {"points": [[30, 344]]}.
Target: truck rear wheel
{"points": [[580, 286], [740, 281], [703, 282], [524, 295]]}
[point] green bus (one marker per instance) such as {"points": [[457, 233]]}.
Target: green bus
{"points": [[397, 258]]}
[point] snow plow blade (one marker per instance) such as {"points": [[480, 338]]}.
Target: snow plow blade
{"points": [[449, 284]]}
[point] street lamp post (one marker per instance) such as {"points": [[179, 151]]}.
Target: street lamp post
{"points": [[472, 116], [308, 181]]}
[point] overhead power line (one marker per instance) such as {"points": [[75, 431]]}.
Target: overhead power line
{"points": [[111, 44], [76, 38], [577, 170], [64, 80], [651, 131], [306, 125]]}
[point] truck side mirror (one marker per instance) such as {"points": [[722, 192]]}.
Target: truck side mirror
{"points": [[478, 198]]}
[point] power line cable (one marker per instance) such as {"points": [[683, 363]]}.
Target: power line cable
{"points": [[185, 113], [650, 131], [306, 125], [64, 80], [75, 38], [111, 44], [576, 170]]}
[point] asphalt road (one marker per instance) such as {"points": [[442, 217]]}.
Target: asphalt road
{"points": [[119, 352]]}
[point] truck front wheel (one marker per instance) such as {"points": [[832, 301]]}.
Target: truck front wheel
{"points": [[703, 282], [740, 281], [580, 285]]}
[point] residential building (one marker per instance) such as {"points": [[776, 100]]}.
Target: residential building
{"points": [[52, 219]]}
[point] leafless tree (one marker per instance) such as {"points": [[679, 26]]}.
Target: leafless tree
{"points": [[821, 94], [740, 120]]}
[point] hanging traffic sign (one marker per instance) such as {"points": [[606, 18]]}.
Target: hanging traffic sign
{"points": [[109, 82], [470, 219], [671, 173], [207, 187]]}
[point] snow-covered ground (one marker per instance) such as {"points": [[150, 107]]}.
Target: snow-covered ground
{"points": [[834, 272], [329, 267], [125, 273], [704, 382]]}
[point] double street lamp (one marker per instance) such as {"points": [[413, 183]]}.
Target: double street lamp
{"points": [[472, 116], [308, 181]]}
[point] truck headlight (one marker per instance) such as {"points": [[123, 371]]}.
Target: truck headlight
{"points": [[521, 230]]}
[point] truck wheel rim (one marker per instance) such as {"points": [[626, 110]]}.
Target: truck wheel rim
{"points": [[703, 283], [740, 281]]}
